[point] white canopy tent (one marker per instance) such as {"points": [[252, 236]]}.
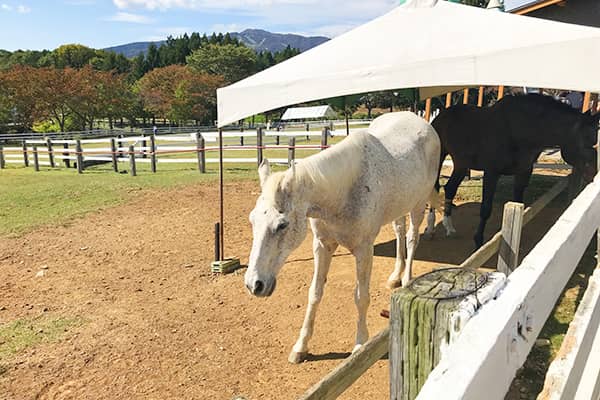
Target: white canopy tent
{"points": [[426, 44], [296, 113]]}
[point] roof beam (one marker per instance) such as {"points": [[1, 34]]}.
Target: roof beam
{"points": [[537, 6]]}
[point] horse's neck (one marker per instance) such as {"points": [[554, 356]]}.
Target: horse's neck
{"points": [[552, 130], [327, 180]]}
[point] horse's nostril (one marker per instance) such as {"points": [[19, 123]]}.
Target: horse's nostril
{"points": [[258, 287]]}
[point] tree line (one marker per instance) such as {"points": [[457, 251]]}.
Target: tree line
{"points": [[73, 86]]}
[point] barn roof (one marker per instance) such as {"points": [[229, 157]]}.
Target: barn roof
{"points": [[425, 44], [308, 113]]}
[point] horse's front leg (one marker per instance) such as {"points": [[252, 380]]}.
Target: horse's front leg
{"points": [[364, 264], [520, 184], [323, 251], [490, 181], [458, 174], [412, 241]]}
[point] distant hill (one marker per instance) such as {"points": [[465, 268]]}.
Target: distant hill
{"points": [[261, 40], [256, 39], [131, 50]]}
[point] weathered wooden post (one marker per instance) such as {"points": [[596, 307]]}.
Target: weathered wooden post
{"points": [[200, 146], [66, 154], [25, 156], [113, 154], [36, 159], [120, 144], [291, 151], [132, 170], [50, 152], [144, 147], [2, 163], [79, 153], [324, 135], [152, 154], [512, 225], [259, 146], [427, 316]]}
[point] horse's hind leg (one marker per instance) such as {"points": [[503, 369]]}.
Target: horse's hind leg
{"points": [[450, 189], [395, 279], [323, 249]]}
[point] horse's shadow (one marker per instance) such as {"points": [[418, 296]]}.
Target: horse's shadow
{"points": [[441, 249], [456, 249]]}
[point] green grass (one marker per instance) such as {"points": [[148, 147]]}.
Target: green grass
{"points": [[30, 199], [21, 334]]}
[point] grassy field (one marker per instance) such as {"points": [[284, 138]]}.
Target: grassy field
{"points": [[54, 196]]}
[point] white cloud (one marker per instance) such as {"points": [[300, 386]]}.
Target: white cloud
{"points": [[330, 31], [224, 28], [21, 9], [315, 17], [131, 18], [80, 2], [203, 4]]}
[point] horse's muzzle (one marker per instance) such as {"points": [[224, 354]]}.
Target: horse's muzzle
{"points": [[262, 288]]}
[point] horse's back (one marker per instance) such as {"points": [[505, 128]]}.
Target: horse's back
{"points": [[408, 151]]}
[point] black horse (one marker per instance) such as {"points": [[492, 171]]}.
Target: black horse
{"points": [[507, 139]]}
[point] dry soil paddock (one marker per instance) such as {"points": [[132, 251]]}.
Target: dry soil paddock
{"points": [[148, 320]]}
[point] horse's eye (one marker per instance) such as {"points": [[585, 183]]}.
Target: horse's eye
{"points": [[282, 226]]}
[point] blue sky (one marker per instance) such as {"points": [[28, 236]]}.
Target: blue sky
{"points": [[46, 24]]}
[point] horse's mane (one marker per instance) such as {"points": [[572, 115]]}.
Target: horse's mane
{"points": [[332, 172], [329, 173], [546, 102]]}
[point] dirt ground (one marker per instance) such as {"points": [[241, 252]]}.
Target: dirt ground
{"points": [[157, 325]]}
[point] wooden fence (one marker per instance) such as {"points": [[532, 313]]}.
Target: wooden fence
{"points": [[162, 149]]}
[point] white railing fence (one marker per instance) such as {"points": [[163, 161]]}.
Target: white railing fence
{"points": [[495, 343]]}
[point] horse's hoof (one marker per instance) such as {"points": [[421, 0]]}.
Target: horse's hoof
{"points": [[297, 358], [393, 284], [450, 234]]}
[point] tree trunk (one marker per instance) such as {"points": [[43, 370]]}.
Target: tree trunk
{"points": [[369, 112], [110, 123]]}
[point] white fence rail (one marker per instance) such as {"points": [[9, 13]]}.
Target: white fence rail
{"points": [[565, 379], [496, 342]]}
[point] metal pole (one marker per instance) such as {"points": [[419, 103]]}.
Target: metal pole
{"points": [[222, 234]]}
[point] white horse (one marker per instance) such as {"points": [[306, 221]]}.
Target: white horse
{"points": [[346, 193]]}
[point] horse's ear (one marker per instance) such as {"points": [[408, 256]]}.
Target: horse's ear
{"points": [[289, 179], [264, 170]]}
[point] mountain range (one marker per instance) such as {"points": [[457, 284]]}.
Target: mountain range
{"points": [[257, 39]]}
